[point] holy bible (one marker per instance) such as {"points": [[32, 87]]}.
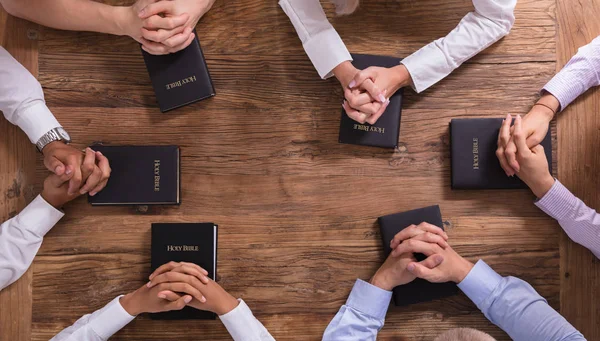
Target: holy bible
{"points": [[179, 78], [141, 175], [386, 131], [473, 145], [418, 290], [185, 242]]}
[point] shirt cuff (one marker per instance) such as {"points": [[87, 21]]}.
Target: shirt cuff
{"points": [[558, 202], [571, 81], [36, 120], [240, 322], [112, 319], [369, 299], [480, 283], [39, 216], [326, 50], [426, 67]]}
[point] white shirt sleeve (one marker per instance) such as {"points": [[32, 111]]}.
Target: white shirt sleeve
{"points": [[98, 326], [491, 20], [321, 42], [22, 99], [21, 237], [243, 326]]}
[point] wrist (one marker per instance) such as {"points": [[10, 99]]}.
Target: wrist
{"points": [[345, 72], [541, 187], [461, 270], [121, 18], [227, 305], [379, 280], [401, 76], [51, 146], [549, 105], [130, 303], [53, 201]]}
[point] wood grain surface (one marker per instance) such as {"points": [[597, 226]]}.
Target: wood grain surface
{"points": [[297, 210], [17, 177], [578, 169]]}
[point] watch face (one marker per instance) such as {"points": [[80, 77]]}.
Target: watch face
{"points": [[63, 134]]}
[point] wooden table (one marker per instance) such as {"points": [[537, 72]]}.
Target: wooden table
{"points": [[297, 211]]}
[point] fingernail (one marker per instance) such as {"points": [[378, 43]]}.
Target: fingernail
{"points": [[381, 98], [188, 299], [410, 267], [92, 194], [100, 153], [202, 299], [352, 84], [57, 169], [363, 117], [83, 191], [141, 13], [69, 171], [149, 284], [163, 296]]}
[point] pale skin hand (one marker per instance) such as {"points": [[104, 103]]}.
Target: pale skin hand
{"points": [[163, 10], [393, 271], [87, 172], [216, 298], [345, 73], [533, 164], [375, 85], [535, 127], [146, 300]]}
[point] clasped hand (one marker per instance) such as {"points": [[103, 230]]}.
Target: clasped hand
{"points": [[165, 26], [367, 91]]}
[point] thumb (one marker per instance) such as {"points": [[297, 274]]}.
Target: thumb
{"points": [[538, 149], [519, 137], [55, 166], [179, 304], [360, 77], [421, 271], [432, 261], [168, 295]]}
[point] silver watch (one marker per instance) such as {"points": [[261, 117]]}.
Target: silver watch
{"points": [[56, 134]]}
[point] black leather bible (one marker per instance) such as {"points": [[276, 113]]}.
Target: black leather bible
{"points": [[184, 242], [141, 175], [386, 131], [179, 78], [418, 290], [473, 144]]}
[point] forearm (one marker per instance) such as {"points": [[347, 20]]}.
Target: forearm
{"points": [[74, 15], [490, 21], [243, 326], [21, 238], [514, 306], [98, 326], [580, 222], [580, 74], [362, 316]]}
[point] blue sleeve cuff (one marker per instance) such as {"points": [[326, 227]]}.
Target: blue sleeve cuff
{"points": [[480, 283], [369, 299]]}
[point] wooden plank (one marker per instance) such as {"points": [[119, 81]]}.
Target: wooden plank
{"points": [[297, 210], [17, 174], [578, 169]]}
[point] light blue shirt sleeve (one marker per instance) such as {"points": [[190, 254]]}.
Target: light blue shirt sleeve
{"points": [[513, 305], [362, 316]]}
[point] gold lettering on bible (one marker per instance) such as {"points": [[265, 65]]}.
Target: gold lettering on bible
{"points": [[171, 248], [475, 153], [181, 82], [156, 175], [365, 127]]}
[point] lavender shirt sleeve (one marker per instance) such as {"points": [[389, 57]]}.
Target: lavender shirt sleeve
{"points": [[581, 223], [581, 73]]}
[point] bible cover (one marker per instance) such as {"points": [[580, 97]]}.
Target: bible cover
{"points": [[141, 175], [418, 290], [473, 143], [179, 78], [184, 242], [386, 131]]}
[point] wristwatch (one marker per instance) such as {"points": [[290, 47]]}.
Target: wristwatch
{"points": [[56, 134]]}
